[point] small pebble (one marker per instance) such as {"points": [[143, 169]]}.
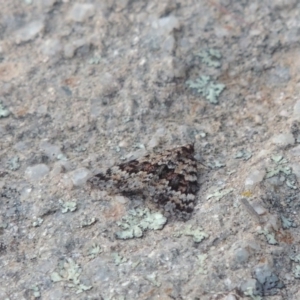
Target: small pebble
{"points": [[295, 151], [296, 112], [69, 50], [241, 255], [80, 176], [52, 151], [283, 139], [261, 272], [166, 25], [29, 31], [296, 170], [230, 297], [80, 12], [254, 177], [51, 47]]}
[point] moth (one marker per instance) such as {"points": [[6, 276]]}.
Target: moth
{"points": [[169, 178]]}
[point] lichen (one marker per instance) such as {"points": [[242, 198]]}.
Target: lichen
{"points": [[201, 264], [270, 237], [88, 222], [14, 163], [95, 60], [271, 172], [198, 234], [94, 251], [68, 206], [295, 258], [207, 88], [118, 259], [280, 167], [152, 279], [211, 57], [4, 112], [243, 154], [249, 292], [36, 291], [137, 221], [38, 222], [296, 272], [216, 164], [219, 194], [287, 223], [69, 272]]}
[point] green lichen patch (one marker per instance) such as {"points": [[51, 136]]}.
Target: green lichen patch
{"points": [[198, 234], [295, 258], [87, 222], [69, 272], [211, 57], [139, 220], [3, 225], [36, 291], [38, 222], [280, 167], [80, 149], [207, 88], [202, 269], [249, 292], [68, 206], [4, 112], [287, 222], [152, 279], [14, 163], [95, 60], [118, 259], [270, 237], [216, 164], [291, 183], [94, 251], [296, 271], [243, 154], [280, 162], [271, 172], [219, 194]]}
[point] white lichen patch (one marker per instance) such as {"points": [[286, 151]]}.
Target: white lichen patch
{"points": [[68, 206], [219, 194], [202, 268], [87, 222], [94, 251], [118, 259], [197, 234], [243, 154], [139, 220], [204, 86], [270, 236], [4, 112], [38, 222], [211, 57], [69, 272]]}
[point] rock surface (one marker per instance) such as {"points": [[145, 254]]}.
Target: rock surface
{"points": [[88, 84]]}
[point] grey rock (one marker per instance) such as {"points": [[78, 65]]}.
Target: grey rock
{"points": [[241, 255], [37, 172], [81, 12], [283, 139], [52, 151], [51, 47], [29, 32], [80, 176]]}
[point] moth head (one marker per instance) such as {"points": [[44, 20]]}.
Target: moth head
{"points": [[187, 150]]}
